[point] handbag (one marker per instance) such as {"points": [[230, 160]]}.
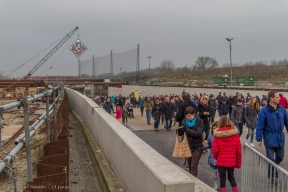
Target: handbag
{"points": [[181, 149]]}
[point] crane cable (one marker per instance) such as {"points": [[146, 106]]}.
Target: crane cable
{"points": [[37, 54], [64, 48]]}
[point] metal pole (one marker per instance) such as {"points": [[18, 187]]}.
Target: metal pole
{"points": [[47, 119], [79, 73], [111, 65], [54, 97], [231, 62], [27, 139]]}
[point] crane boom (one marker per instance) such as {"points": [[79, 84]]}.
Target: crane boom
{"points": [[45, 58], [52, 52]]}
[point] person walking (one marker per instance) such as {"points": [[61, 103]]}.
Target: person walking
{"points": [[156, 113], [204, 113], [193, 126], [213, 104], [251, 118], [223, 108], [167, 109], [227, 151], [181, 109], [125, 116], [148, 106], [211, 160], [118, 113], [237, 116], [141, 105], [270, 125], [108, 106], [231, 102]]}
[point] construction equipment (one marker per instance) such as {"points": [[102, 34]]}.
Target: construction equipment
{"points": [[46, 57]]}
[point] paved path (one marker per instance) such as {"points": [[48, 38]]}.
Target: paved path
{"points": [[163, 142]]}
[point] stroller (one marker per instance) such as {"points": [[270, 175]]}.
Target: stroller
{"points": [[130, 111]]}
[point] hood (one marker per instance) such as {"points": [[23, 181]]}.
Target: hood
{"points": [[224, 132]]}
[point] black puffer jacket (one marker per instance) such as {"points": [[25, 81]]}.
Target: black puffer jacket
{"points": [[167, 108], [156, 111], [181, 109], [201, 110], [194, 135]]}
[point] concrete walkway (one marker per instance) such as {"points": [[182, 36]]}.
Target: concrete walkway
{"points": [[163, 142]]}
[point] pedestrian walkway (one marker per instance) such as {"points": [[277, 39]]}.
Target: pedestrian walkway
{"points": [[163, 142]]}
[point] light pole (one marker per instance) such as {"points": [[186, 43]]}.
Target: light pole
{"points": [[230, 58], [149, 64]]}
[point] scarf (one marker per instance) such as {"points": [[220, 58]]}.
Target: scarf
{"points": [[190, 124]]}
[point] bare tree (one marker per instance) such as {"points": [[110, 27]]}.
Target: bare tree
{"points": [[167, 66], [205, 62]]}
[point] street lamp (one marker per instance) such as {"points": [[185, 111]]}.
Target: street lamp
{"points": [[230, 58], [149, 64]]}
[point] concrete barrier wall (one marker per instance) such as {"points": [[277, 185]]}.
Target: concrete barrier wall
{"points": [[138, 166], [158, 90]]}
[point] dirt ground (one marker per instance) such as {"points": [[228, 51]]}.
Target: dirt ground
{"points": [[82, 174]]}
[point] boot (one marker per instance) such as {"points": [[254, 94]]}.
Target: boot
{"points": [[223, 189], [235, 189], [216, 186]]}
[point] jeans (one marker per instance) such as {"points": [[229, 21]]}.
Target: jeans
{"points": [[156, 123], [212, 115], [279, 155], [251, 131], [148, 115], [142, 109], [168, 123], [206, 130], [194, 161], [222, 175], [240, 128]]}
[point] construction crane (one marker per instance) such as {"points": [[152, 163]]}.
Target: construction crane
{"points": [[45, 58]]}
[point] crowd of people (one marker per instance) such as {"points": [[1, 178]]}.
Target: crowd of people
{"points": [[194, 114]]}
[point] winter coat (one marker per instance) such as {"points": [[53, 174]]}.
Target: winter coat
{"points": [[125, 113], [250, 115], [211, 159], [120, 103], [148, 105], [141, 102], [219, 98], [167, 108], [283, 101], [231, 102], [270, 126], [237, 115], [181, 109], [223, 109], [226, 147], [156, 111], [201, 110], [118, 113], [194, 135], [112, 99], [174, 109], [108, 107], [133, 100], [213, 103]]}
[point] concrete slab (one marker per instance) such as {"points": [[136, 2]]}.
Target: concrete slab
{"points": [[10, 131]]}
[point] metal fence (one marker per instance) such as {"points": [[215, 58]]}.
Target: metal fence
{"points": [[259, 174]]}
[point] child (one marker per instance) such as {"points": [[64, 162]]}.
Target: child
{"points": [[211, 159], [124, 116], [227, 151], [118, 114]]}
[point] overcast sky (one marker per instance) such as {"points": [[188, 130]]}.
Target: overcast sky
{"points": [[180, 30]]}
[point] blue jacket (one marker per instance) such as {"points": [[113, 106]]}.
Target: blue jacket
{"points": [[211, 159], [141, 102], [270, 126], [223, 109], [108, 107]]}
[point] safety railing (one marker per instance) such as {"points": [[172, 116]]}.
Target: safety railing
{"points": [[24, 139], [259, 174]]}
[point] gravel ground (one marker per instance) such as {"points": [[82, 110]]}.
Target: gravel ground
{"points": [[82, 175]]}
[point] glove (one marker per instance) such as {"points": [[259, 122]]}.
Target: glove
{"points": [[181, 131]]}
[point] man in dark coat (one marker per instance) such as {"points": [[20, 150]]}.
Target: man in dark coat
{"points": [[231, 102], [223, 108], [167, 109], [181, 109]]}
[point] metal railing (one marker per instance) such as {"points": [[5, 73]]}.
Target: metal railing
{"points": [[259, 174], [24, 139]]}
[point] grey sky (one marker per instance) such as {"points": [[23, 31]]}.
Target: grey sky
{"points": [[165, 29]]}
